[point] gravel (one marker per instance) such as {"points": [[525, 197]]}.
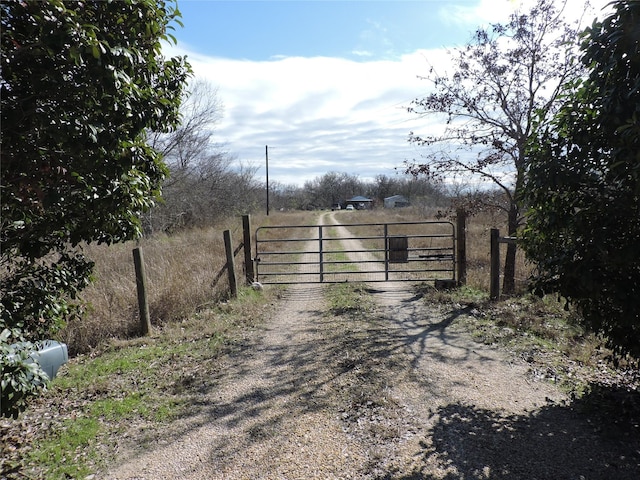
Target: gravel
{"points": [[395, 392]]}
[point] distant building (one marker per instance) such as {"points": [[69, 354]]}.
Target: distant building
{"points": [[360, 203], [396, 201]]}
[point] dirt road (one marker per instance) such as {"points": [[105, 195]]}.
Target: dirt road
{"points": [[398, 391]]}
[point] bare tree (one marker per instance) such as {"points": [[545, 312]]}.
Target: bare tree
{"points": [[506, 77], [200, 112], [332, 188], [205, 182], [385, 186]]}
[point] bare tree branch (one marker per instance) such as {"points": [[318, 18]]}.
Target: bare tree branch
{"points": [[508, 76]]}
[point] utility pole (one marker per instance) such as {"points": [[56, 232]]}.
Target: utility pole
{"points": [[266, 155]]}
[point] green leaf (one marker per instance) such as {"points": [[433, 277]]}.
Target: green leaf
{"points": [[63, 162]]}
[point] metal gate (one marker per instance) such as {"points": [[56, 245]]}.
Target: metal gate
{"points": [[373, 252]]}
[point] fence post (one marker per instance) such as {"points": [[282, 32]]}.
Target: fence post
{"points": [[461, 244], [141, 284], [494, 292], [248, 261], [231, 267], [320, 254]]}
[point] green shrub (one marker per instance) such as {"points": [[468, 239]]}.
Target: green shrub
{"points": [[21, 377]]}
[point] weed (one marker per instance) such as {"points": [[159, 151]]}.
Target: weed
{"points": [[63, 453], [133, 384], [338, 261], [539, 331], [350, 298], [463, 295]]}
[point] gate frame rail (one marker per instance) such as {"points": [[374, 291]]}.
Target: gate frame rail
{"points": [[451, 253]]}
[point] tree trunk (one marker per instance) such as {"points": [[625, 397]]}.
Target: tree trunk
{"points": [[509, 279]]}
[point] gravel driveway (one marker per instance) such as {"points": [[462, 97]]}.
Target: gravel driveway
{"points": [[399, 391]]}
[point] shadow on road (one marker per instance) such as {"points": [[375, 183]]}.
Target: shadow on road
{"points": [[557, 441], [596, 437], [553, 443]]}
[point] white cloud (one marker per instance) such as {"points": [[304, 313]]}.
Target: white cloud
{"points": [[317, 114], [493, 11], [480, 13], [362, 53], [325, 114]]}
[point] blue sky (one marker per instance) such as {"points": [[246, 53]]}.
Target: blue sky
{"points": [[266, 30], [325, 84]]}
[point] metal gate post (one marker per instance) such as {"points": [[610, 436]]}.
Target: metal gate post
{"points": [[321, 256], [386, 252]]}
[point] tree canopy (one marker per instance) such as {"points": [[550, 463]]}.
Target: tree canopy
{"points": [[81, 84], [583, 186]]}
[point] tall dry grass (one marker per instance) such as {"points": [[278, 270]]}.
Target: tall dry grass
{"points": [[181, 269], [479, 253]]}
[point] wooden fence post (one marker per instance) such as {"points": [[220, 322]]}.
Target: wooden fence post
{"points": [[248, 261], [141, 284], [461, 245], [231, 266], [494, 288]]}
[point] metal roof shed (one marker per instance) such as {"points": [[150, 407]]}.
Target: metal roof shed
{"points": [[360, 202], [396, 201]]}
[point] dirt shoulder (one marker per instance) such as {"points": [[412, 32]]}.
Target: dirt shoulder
{"points": [[395, 390]]}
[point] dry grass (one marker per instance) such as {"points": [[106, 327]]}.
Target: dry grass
{"points": [[181, 270], [479, 253], [296, 217]]}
